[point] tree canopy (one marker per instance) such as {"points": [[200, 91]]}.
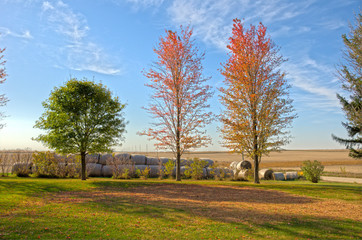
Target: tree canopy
{"points": [[81, 117], [350, 75], [256, 98], [180, 95]]}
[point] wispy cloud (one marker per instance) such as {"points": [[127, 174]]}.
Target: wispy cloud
{"points": [[7, 32], [316, 83], [212, 20], [80, 53]]}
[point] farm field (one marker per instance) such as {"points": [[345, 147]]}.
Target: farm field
{"points": [[331, 159], [163, 209]]}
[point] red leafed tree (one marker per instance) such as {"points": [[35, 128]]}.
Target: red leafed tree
{"points": [[3, 98], [180, 94], [256, 98]]}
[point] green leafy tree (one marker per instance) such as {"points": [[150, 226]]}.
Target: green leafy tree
{"points": [[350, 75], [81, 117]]}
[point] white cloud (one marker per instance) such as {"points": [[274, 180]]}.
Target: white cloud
{"points": [[212, 20], [145, 3], [7, 32], [310, 77], [79, 53]]}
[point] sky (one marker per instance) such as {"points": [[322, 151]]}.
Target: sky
{"points": [[112, 42]]}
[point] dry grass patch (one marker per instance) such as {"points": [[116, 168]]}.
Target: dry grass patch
{"points": [[223, 203]]}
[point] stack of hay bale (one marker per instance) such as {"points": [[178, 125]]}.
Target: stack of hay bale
{"points": [[241, 169], [279, 176]]}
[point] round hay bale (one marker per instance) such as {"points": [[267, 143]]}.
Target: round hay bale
{"points": [[291, 175], [139, 159], [123, 156], [92, 158], [233, 165], [243, 174], [278, 176], [94, 170], [140, 167], [154, 170], [104, 158], [228, 172], [245, 164], [266, 174], [164, 160], [204, 173], [209, 162], [107, 171], [153, 161]]}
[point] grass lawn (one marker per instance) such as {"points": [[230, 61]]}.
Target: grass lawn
{"points": [[100, 208]]}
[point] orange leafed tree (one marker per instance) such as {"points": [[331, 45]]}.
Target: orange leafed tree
{"points": [[258, 109], [3, 98], [180, 95]]}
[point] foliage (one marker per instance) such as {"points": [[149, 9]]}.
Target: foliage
{"points": [[81, 117], [351, 78], [145, 174], [256, 97], [4, 163], [196, 169], [169, 167], [312, 171], [179, 97], [122, 168], [22, 166], [50, 165], [3, 98]]}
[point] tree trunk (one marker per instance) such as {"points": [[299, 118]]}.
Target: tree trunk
{"points": [[178, 167], [256, 169], [82, 155]]}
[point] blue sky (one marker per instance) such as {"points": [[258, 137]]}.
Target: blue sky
{"points": [[47, 42]]}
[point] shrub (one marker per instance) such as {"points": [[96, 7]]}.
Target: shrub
{"points": [[312, 170], [4, 163], [46, 165], [169, 167], [22, 166], [145, 173], [122, 166], [195, 169]]}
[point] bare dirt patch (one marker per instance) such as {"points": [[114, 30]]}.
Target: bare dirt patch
{"points": [[223, 203]]}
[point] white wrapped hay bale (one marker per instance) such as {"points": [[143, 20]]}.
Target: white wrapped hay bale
{"points": [[243, 165], [107, 171], [266, 174], [92, 158], [152, 161], [104, 158], [291, 175], [279, 176], [94, 170], [243, 174], [233, 165], [139, 159]]}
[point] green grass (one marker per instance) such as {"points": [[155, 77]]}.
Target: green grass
{"points": [[27, 210]]}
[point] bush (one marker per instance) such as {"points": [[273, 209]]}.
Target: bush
{"points": [[145, 173], [122, 166], [312, 170], [169, 167], [196, 169], [22, 166], [51, 165]]}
